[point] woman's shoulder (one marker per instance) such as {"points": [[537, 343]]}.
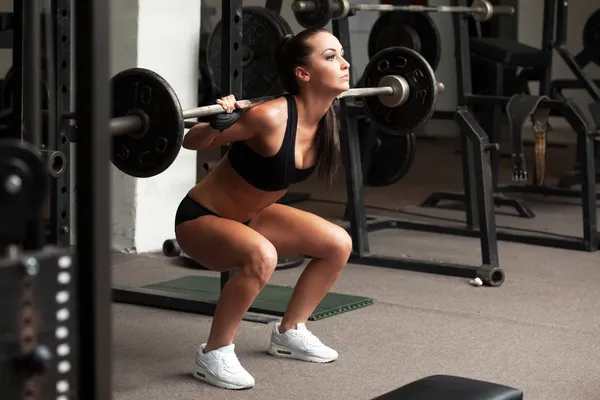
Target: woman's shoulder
{"points": [[268, 115]]}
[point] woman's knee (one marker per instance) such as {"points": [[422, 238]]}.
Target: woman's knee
{"points": [[262, 261], [339, 246]]}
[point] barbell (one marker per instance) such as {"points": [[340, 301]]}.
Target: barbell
{"points": [[317, 13], [399, 94]]}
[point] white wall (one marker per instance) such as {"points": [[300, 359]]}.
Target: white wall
{"points": [[168, 39], [160, 36], [124, 54]]}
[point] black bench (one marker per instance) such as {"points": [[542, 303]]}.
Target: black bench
{"points": [[446, 387]]}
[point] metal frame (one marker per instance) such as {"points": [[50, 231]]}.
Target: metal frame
{"points": [[93, 278], [478, 148], [590, 238], [58, 231]]}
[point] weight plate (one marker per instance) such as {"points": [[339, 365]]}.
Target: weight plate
{"points": [[422, 96], [317, 18], [591, 33], [141, 90], [171, 248], [416, 31], [391, 157], [23, 196], [6, 93], [280, 21], [261, 35]]}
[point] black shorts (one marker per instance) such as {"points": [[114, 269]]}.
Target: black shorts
{"points": [[189, 209]]}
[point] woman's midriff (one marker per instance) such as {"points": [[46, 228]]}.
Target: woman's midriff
{"points": [[230, 196]]}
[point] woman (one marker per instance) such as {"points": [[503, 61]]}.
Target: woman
{"points": [[231, 219]]}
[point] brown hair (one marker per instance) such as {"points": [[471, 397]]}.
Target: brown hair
{"points": [[293, 51]]}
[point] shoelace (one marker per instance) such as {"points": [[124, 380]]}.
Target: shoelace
{"points": [[231, 361], [312, 339]]}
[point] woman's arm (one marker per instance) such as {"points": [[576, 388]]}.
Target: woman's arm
{"points": [[202, 136]]}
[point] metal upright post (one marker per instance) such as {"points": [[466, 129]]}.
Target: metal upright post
{"points": [[93, 194], [351, 157], [32, 113], [60, 188], [231, 63], [17, 70]]}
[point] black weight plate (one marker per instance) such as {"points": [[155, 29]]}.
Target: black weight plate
{"points": [[171, 248], [317, 18], [391, 158], [22, 160], [591, 33], [285, 28], [6, 93], [139, 89], [399, 28], [261, 35], [420, 104]]}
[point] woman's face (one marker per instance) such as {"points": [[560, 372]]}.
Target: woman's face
{"points": [[327, 68]]}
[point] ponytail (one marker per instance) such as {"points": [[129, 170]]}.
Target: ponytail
{"points": [[328, 145]]}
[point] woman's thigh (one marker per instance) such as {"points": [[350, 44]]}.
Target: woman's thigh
{"points": [[294, 231], [222, 244]]}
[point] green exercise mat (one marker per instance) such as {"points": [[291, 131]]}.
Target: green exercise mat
{"points": [[272, 300]]}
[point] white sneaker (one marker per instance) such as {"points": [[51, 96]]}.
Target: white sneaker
{"points": [[221, 368], [300, 344]]}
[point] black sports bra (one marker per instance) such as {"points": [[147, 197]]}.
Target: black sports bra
{"points": [[273, 173]]}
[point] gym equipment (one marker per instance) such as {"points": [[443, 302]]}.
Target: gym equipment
{"points": [[390, 156], [272, 299], [591, 34], [148, 122], [360, 225], [35, 283], [262, 31], [518, 109], [6, 91], [450, 387], [589, 239], [318, 13], [415, 31], [56, 162], [384, 69]]}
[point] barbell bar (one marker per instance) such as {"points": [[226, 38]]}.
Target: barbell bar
{"points": [[317, 13], [393, 91], [399, 91]]}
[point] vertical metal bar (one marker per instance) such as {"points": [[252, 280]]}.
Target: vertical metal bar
{"points": [[31, 103], [574, 116], [484, 186], [350, 149], [32, 73], [93, 194], [60, 205], [548, 37], [17, 69], [463, 68], [231, 62], [562, 12]]}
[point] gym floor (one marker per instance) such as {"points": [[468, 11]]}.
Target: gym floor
{"points": [[537, 332]]}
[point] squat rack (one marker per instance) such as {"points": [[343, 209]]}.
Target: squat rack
{"points": [[30, 267], [479, 171]]}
